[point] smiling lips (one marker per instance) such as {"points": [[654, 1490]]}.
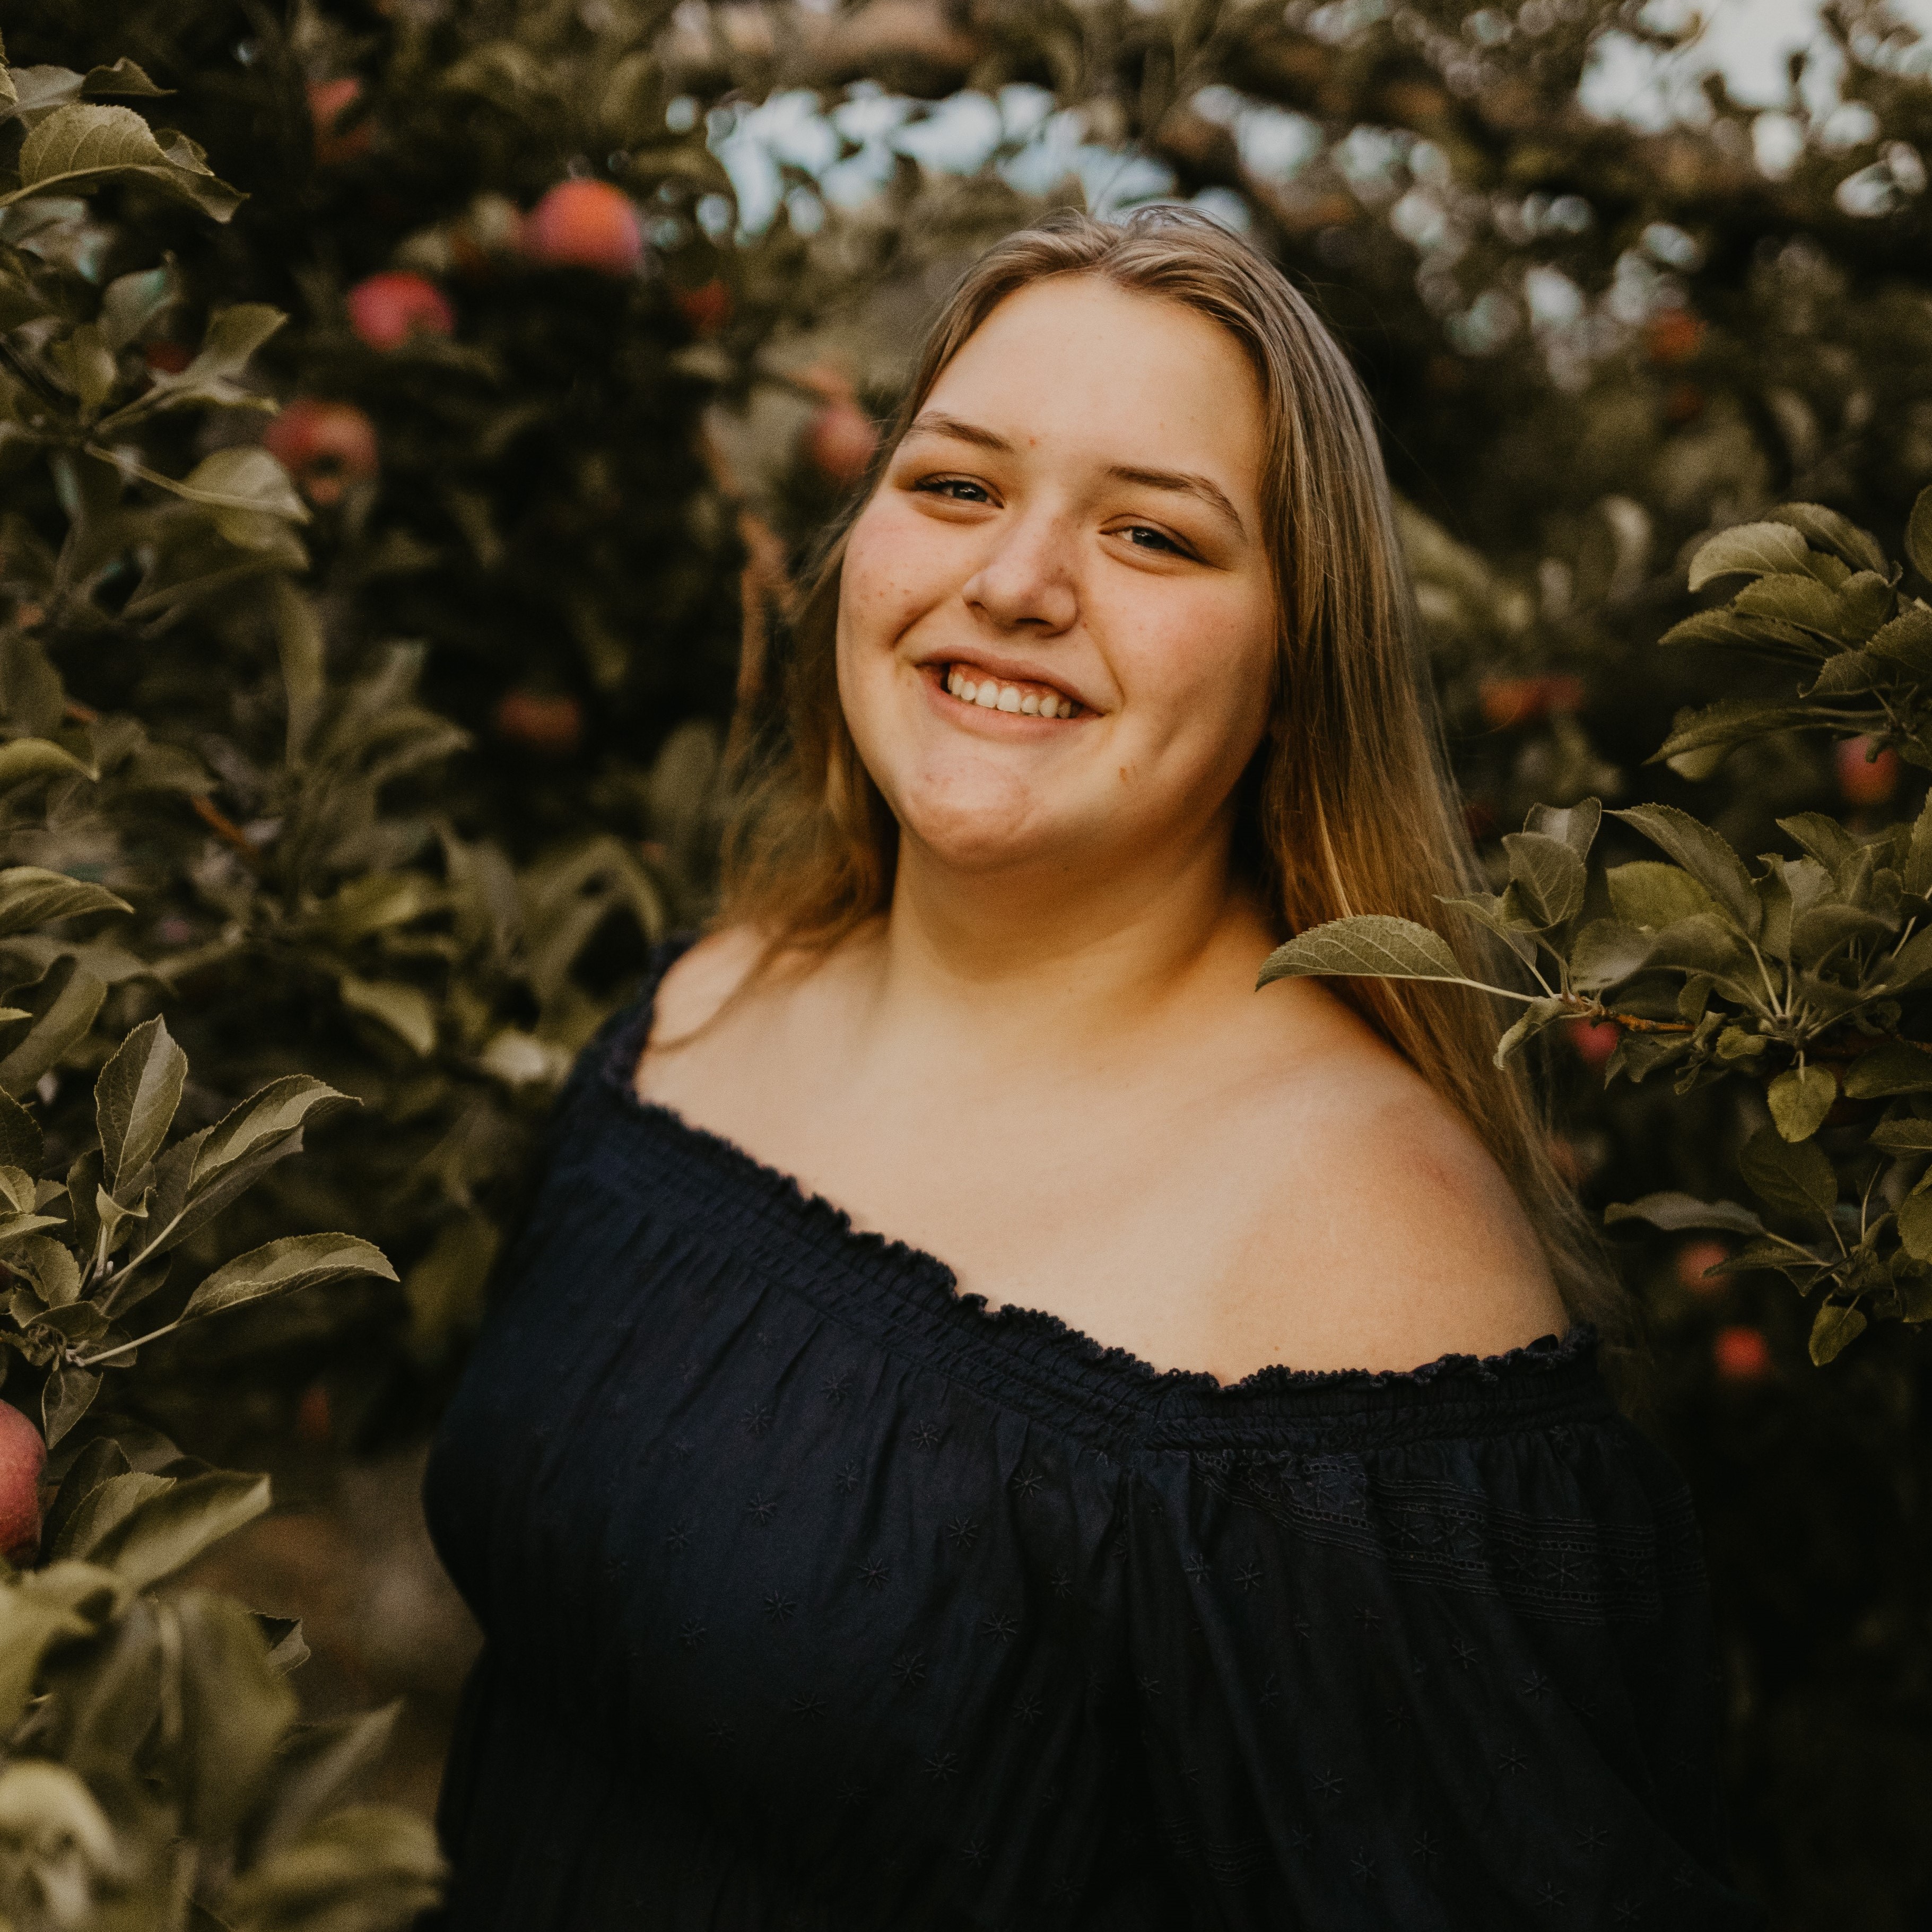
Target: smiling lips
{"points": [[972, 686]]}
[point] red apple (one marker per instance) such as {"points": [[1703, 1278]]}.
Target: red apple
{"points": [[1684, 402], [840, 439], [1521, 700], [23, 1454], [707, 308], [313, 1423], [1864, 779], [585, 224], [328, 101], [1741, 1354], [170, 358], [386, 309], [1695, 1260], [1673, 338], [325, 446], [540, 721], [1594, 1040]]}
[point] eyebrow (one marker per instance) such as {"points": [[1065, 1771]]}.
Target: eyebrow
{"points": [[1181, 482]]}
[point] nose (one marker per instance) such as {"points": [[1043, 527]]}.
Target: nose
{"points": [[1025, 584]]}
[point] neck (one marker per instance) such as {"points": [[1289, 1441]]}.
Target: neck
{"points": [[1048, 956]]}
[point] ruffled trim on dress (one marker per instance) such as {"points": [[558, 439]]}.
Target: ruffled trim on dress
{"points": [[1124, 1377]]}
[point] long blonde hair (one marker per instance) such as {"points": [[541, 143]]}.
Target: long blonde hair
{"points": [[1348, 805]]}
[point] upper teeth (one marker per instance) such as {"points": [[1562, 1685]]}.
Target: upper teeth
{"points": [[991, 695]]}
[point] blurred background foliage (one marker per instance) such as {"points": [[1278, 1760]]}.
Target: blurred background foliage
{"points": [[592, 305]]}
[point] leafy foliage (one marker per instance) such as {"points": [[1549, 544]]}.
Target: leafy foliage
{"points": [[400, 756], [1810, 974]]}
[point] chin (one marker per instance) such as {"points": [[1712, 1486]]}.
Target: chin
{"points": [[978, 829]]}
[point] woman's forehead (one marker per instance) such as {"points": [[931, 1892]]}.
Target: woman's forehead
{"points": [[1078, 357]]}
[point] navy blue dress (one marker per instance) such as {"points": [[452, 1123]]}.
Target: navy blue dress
{"points": [[815, 1594]]}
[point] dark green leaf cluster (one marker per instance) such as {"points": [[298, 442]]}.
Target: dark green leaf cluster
{"points": [[1809, 975]]}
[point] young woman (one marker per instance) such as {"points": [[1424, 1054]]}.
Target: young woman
{"points": [[994, 1423]]}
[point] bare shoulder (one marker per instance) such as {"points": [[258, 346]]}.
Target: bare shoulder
{"points": [[1410, 1242], [701, 979]]}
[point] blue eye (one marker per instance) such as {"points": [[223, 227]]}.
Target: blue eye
{"points": [[1160, 537]]}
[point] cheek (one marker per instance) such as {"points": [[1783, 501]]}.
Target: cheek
{"points": [[1207, 671]]}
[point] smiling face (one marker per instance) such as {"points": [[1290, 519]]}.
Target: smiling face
{"points": [[1057, 618]]}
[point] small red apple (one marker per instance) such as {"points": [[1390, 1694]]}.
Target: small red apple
{"points": [[1741, 1354], [1695, 1260], [313, 1423], [325, 446], [540, 721], [707, 308], [1684, 402], [23, 1455], [386, 309], [1506, 701], [585, 224], [1863, 778], [328, 101], [841, 439], [1673, 338], [168, 358], [1594, 1040]]}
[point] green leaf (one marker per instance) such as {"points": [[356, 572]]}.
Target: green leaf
{"points": [[212, 379], [299, 642], [296, 1261], [1915, 1224], [23, 759], [1798, 1179], [1895, 1066], [124, 77], [1905, 642], [1701, 738], [1535, 1016], [1800, 1098], [1837, 1324], [30, 896], [406, 1011], [20, 1142], [235, 1707], [246, 478], [282, 1105], [1651, 896], [362, 1869], [31, 1624], [170, 1528], [63, 1002], [1606, 951], [1736, 631], [1368, 945], [1919, 535], [1848, 673], [49, 1265], [1824, 839], [1749, 549], [1799, 599], [1676, 1213], [67, 1395], [105, 1507], [76, 148], [1819, 932], [1908, 1135], [136, 1096], [317, 1765], [1825, 529], [1701, 853], [1548, 874], [1575, 825]]}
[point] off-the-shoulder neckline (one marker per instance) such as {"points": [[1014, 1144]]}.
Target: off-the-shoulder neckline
{"points": [[832, 1225]]}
